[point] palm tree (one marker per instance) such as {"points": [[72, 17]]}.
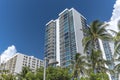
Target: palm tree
{"points": [[80, 66], [96, 31], [98, 63]]}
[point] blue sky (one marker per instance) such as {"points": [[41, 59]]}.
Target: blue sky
{"points": [[22, 22]]}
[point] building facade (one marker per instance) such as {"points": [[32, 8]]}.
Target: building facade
{"points": [[50, 40], [66, 37], [18, 61]]}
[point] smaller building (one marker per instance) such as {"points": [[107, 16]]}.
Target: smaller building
{"points": [[18, 61]]}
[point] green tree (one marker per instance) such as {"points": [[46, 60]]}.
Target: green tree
{"points": [[8, 77], [39, 74], [30, 76], [80, 66], [99, 76], [24, 72], [96, 31], [116, 40], [116, 55], [58, 73], [97, 62]]}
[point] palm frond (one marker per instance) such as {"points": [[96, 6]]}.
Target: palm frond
{"points": [[117, 67], [117, 49], [112, 31], [105, 37]]}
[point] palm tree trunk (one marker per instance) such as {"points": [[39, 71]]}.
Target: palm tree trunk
{"points": [[96, 48], [96, 44]]}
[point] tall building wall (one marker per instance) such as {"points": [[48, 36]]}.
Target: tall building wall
{"points": [[79, 25], [71, 35], [50, 40], [65, 22], [68, 36]]}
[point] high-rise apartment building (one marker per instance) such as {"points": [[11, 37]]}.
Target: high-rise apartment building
{"points": [[63, 38], [18, 61], [50, 40]]}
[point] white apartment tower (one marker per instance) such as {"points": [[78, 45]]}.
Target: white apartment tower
{"points": [[63, 37], [18, 61]]}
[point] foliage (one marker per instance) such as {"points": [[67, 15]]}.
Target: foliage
{"points": [[84, 78], [7, 77], [97, 62], [52, 73], [99, 76], [24, 73], [80, 66], [58, 73], [39, 74], [97, 30], [30, 76], [116, 39], [116, 55], [95, 33]]}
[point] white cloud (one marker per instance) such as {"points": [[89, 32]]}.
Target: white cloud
{"points": [[116, 10], [115, 16], [8, 53]]}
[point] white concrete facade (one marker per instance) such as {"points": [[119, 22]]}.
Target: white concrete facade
{"points": [[78, 30], [57, 42], [18, 61]]}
